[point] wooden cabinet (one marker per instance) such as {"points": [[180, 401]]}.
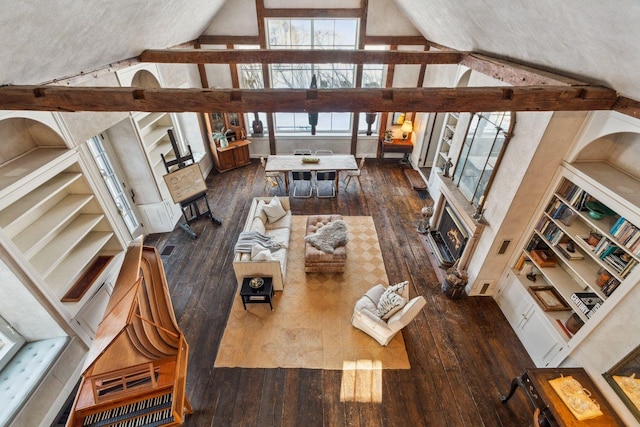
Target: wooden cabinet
{"points": [[233, 156], [237, 153], [232, 122], [584, 244]]}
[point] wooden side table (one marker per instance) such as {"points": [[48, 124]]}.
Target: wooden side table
{"points": [[397, 146], [553, 410], [262, 295]]}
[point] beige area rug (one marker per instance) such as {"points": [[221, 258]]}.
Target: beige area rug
{"points": [[310, 325]]}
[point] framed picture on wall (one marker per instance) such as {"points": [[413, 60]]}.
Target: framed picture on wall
{"points": [[398, 119]]}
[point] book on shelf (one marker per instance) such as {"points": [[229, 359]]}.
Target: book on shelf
{"points": [[587, 302], [563, 249], [536, 242], [610, 286], [524, 266]]}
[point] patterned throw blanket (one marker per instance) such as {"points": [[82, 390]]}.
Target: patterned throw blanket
{"points": [[247, 239]]}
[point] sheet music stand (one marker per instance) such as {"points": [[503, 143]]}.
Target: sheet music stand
{"points": [[187, 187]]}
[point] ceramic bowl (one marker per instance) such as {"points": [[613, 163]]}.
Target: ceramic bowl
{"points": [[256, 282], [598, 211]]}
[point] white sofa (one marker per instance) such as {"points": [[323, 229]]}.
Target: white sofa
{"points": [[280, 230]]}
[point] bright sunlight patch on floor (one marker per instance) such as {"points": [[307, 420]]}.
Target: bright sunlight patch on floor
{"points": [[361, 381]]}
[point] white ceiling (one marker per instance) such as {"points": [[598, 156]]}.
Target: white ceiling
{"points": [[593, 40]]}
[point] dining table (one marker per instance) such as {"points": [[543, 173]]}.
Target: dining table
{"points": [[285, 163]]}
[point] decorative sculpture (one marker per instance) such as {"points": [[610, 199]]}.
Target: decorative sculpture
{"points": [[447, 166], [426, 213]]}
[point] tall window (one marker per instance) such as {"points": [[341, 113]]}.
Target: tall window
{"points": [[113, 184], [10, 342], [484, 144], [312, 34], [372, 77]]}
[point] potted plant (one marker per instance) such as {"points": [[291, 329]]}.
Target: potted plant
{"points": [[221, 135], [388, 134]]}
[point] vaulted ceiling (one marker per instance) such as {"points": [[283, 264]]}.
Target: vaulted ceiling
{"points": [[591, 40]]}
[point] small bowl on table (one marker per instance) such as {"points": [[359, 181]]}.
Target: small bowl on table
{"points": [[256, 282]]}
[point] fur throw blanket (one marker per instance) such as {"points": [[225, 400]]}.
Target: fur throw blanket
{"points": [[330, 236]]}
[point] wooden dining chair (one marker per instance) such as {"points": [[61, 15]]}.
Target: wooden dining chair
{"points": [[354, 174], [271, 177]]}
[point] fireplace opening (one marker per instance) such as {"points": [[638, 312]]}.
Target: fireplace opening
{"points": [[449, 239]]}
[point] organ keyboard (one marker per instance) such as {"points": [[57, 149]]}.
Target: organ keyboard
{"points": [[135, 372]]}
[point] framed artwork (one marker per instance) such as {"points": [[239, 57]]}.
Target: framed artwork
{"points": [[548, 298], [398, 119], [185, 183]]}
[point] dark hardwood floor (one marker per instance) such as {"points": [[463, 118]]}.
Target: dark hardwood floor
{"points": [[463, 353]]}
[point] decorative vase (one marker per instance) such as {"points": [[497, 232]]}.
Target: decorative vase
{"points": [[224, 142]]}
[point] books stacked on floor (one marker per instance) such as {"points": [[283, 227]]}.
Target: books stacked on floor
{"points": [[587, 302], [567, 250]]}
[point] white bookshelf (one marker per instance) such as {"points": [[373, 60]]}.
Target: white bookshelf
{"points": [[446, 138], [575, 185], [51, 216]]}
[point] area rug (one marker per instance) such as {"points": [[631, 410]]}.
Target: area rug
{"points": [[310, 325]]}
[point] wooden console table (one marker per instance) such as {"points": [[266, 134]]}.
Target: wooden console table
{"points": [[397, 146], [553, 410]]}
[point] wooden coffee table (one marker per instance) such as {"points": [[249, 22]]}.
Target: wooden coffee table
{"points": [[262, 295]]}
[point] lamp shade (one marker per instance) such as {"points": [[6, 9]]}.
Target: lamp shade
{"points": [[407, 126]]}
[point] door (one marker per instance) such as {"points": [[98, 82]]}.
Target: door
{"points": [[121, 194]]}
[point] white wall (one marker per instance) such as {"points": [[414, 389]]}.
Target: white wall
{"points": [[16, 301]]}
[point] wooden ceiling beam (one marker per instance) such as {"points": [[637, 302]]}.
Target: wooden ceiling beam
{"points": [[515, 74], [287, 56], [396, 40], [506, 71], [311, 13], [225, 40], [471, 99], [627, 106]]}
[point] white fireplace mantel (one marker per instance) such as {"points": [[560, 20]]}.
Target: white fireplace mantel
{"points": [[464, 210]]}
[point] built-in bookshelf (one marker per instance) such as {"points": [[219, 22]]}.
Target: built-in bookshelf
{"points": [[582, 247], [446, 138], [52, 218]]}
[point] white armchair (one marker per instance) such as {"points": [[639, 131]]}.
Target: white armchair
{"points": [[366, 319]]}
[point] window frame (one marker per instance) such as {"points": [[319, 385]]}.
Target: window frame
{"points": [[483, 179]]}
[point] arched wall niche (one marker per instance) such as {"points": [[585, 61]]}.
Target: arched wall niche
{"points": [[140, 75], [463, 81], [146, 79], [621, 150], [21, 135]]}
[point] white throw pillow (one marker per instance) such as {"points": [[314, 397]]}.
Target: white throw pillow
{"points": [[399, 288], [390, 302], [260, 253], [274, 209]]}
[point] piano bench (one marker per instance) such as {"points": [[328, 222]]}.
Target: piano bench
{"points": [[24, 372]]}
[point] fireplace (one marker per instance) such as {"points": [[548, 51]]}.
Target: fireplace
{"points": [[450, 238]]}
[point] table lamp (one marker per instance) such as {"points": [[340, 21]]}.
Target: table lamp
{"points": [[407, 128]]}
